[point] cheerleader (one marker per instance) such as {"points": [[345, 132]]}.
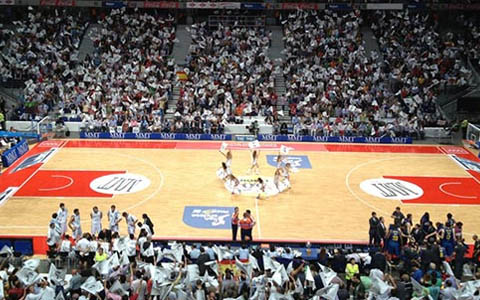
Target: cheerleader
{"points": [[277, 180], [281, 160], [229, 157], [223, 172], [285, 171], [233, 184], [261, 186], [254, 154]]}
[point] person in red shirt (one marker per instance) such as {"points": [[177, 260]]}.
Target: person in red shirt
{"points": [[235, 224], [245, 225]]}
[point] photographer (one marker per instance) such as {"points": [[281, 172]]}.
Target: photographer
{"points": [[253, 128]]}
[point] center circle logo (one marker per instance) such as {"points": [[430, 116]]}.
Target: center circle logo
{"points": [[123, 183], [391, 189], [248, 186]]}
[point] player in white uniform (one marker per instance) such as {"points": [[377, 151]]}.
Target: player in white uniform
{"points": [[55, 220], [113, 219], [75, 224], [255, 167], [131, 222], [62, 215], [96, 217], [52, 238]]}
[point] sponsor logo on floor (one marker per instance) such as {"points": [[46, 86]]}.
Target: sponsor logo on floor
{"points": [[208, 217]]}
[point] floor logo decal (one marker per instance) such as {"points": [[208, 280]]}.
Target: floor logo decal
{"points": [[208, 217]]}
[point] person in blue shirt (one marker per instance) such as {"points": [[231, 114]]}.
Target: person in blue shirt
{"points": [[417, 273], [195, 253], [393, 240], [448, 239]]}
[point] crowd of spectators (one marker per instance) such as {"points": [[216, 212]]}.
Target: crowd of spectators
{"points": [[229, 75], [128, 80], [421, 62], [42, 51], [329, 76], [334, 85], [336, 88], [415, 263]]}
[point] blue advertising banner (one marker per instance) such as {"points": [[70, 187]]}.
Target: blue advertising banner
{"points": [[11, 155], [339, 6], [156, 136], [253, 6], [334, 139], [19, 134], [415, 5], [114, 4], [209, 217]]}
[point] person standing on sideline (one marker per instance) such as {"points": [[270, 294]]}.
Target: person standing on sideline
{"points": [[476, 250], [131, 222], [62, 215], [448, 239], [397, 216], [96, 217], [374, 238], [113, 219], [53, 238], [252, 223], [148, 222], [245, 223], [382, 231], [235, 224], [75, 225]]}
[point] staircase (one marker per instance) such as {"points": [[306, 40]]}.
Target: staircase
{"points": [[181, 48], [86, 46], [370, 42], [276, 53], [172, 103]]}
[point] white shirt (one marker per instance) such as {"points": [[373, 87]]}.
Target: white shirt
{"points": [[62, 215], [131, 219], [65, 246], [96, 217], [131, 247], [52, 237], [147, 229], [83, 245], [113, 217], [76, 221]]}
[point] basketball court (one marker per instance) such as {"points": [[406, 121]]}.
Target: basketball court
{"points": [[334, 190]]}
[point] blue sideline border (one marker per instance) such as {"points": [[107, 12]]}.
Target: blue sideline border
{"points": [[261, 137]]}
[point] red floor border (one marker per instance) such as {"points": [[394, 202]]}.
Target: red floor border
{"points": [[210, 145]]}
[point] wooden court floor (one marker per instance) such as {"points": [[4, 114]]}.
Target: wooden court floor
{"points": [[326, 201]]}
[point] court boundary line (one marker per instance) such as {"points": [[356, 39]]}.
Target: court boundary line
{"points": [[159, 187], [347, 183], [61, 187], [463, 167], [440, 187], [259, 231], [36, 171]]}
